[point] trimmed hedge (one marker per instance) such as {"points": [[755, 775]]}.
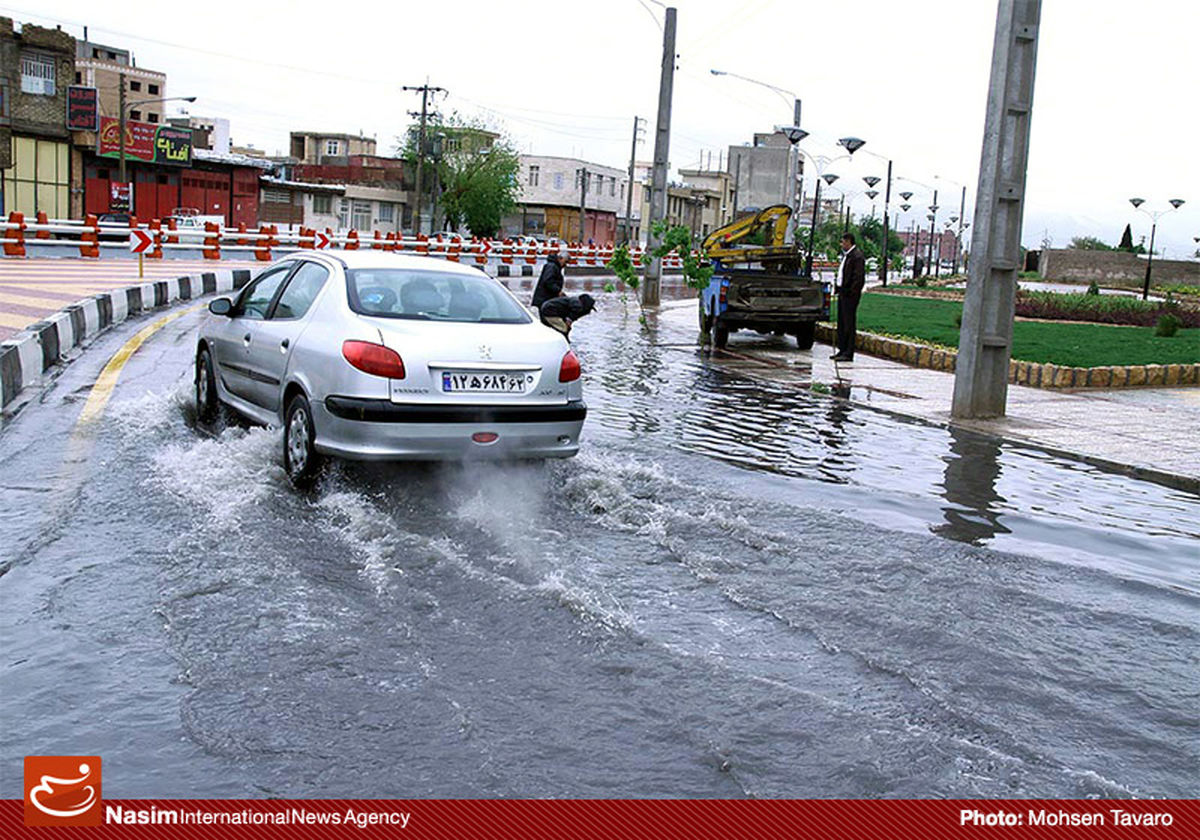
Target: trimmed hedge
{"points": [[1101, 309]]}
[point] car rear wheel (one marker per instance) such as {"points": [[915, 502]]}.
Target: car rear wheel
{"points": [[806, 335], [300, 458], [207, 404]]}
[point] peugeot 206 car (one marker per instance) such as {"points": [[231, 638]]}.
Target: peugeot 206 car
{"points": [[377, 356]]}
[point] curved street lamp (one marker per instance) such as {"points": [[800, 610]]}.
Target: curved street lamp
{"points": [[1154, 215]]}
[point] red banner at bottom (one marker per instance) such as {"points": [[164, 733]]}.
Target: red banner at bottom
{"points": [[723, 819]]}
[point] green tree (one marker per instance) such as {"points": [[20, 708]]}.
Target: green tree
{"points": [[1126, 239], [1089, 243], [475, 171], [677, 240]]}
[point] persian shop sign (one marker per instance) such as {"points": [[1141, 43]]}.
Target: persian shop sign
{"points": [[83, 108], [145, 141]]}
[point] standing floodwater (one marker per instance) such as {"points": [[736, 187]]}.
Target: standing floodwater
{"points": [[738, 588]]}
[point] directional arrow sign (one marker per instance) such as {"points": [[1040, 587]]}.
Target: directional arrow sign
{"points": [[139, 241], [322, 240]]}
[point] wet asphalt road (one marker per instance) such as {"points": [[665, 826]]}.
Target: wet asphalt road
{"points": [[739, 588]]}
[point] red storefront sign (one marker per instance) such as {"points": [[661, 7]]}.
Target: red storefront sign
{"points": [[148, 142]]}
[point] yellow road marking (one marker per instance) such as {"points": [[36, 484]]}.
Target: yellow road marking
{"points": [[107, 381]]}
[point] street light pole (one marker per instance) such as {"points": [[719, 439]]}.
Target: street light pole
{"points": [[933, 208], [629, 197], [122, 123], [1137, 203]]}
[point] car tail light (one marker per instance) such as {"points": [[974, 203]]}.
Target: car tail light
{"points": [[723, 295], [569, 370], [485, 437], [374, 359]]}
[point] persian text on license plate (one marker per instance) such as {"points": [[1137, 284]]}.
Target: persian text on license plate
{"points": [[480, 382]]}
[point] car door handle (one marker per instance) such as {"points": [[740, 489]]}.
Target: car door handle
{"points": [[246, 339], [283, 345]]}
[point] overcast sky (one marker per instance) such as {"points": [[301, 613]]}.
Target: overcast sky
{"points": [[1115, 109]]}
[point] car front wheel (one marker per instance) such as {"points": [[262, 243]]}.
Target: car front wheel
{"points": [[300, 458], [207, 404]]}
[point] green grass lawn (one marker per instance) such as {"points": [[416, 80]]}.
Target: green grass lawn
{"points": [[1060, 343]]}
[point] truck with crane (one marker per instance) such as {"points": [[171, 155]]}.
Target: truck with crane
{"points": [[759, 282]]}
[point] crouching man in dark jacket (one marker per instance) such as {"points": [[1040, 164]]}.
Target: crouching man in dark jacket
{"points": [[561, 312]]}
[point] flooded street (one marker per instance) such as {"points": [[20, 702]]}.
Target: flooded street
{"points": [[740, 587]]}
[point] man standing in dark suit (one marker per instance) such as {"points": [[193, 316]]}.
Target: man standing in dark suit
{"points": [[852, 276]]}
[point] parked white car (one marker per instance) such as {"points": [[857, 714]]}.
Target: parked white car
{"points": [[372, 355]]}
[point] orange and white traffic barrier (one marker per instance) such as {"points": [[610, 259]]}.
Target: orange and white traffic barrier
{"points": [[212, 241], [14, 238]]}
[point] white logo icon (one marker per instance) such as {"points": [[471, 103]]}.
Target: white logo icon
{"points": [[47, 788]]}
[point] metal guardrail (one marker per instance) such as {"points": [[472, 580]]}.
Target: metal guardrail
{"points": [[91, 238]]}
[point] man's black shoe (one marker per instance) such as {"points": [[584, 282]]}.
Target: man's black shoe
{"points": [[834, 355], [840, 358]]}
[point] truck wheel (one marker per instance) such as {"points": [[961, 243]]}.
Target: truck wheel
{"points": [[705, 324], [806, 335], [720, 335]]}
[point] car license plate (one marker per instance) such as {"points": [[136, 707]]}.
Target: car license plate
{"points": [[485, 382]]}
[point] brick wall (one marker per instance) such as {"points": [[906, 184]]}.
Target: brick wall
{"points": [[1114, 267], [35, 114]]}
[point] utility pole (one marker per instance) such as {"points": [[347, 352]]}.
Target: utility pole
{"points": [[121, 129], [629, 197], [582, 175], [425, 90], [662, 152], [794, 199], [883, 247], [985, 340]]}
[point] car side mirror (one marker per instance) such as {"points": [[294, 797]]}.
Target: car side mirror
{"points": [[221, 306]]}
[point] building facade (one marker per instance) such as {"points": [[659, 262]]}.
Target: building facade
{"points": [[327, 148], [102, 67], [36, 67], [766, 172], [208, 133], [553, 191]]}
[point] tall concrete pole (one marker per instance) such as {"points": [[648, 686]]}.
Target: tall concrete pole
{"points": [[583, 184], [662, 153], [985, 341], [420, 158]]}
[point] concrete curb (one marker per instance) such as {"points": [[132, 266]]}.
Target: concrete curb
{"points": [[1031, 374], [27, 357]]}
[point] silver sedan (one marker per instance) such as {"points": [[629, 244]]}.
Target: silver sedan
{"points": [[371, 355]]}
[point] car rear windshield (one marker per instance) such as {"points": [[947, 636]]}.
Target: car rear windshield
{"points": [[431, 296]]}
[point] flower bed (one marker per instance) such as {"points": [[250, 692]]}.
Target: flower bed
{"points": [[1101, 309]]}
